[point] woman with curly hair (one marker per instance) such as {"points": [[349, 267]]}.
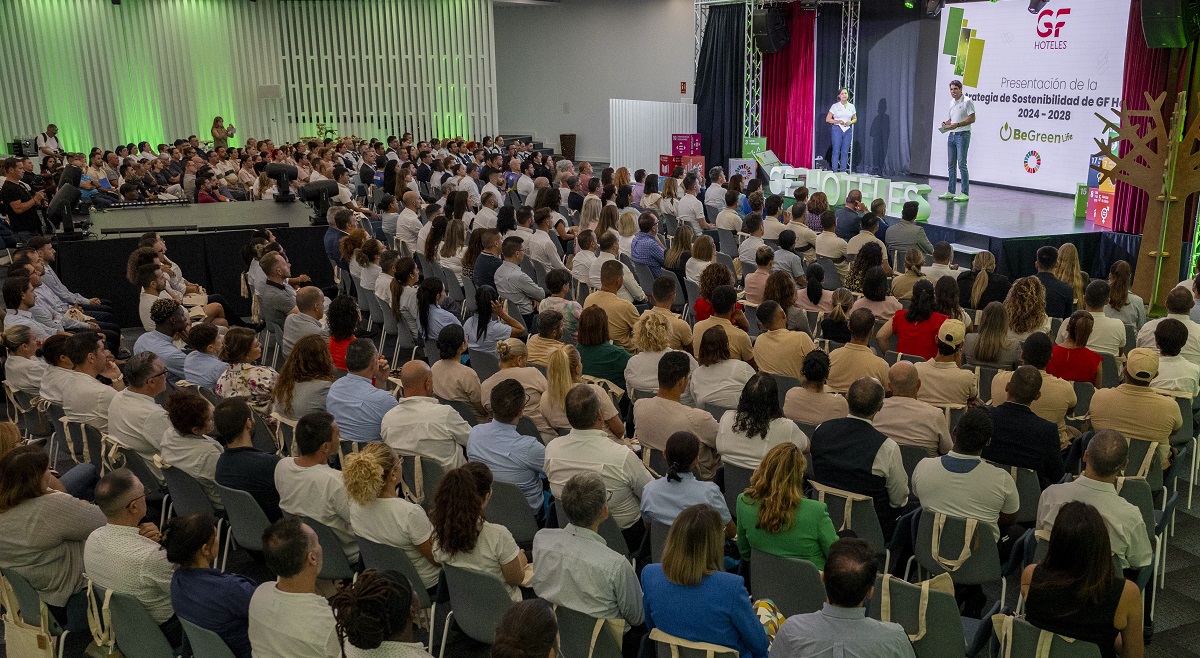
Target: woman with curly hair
{"points": [[464, 538], [809, 402], [1067, 270], [1072, 360], [703, 254], [714, 276], [1123, 304], [917, 326], [374, 617], [869, 255], [1026, 306], [244, 378], [652, 338], [982, 286], [774, 517], [814, 296], [781, 289], [378, 513], [348, 246], [305, 378], [817, 205], [719, 379], [990, 345], [757, 425]]}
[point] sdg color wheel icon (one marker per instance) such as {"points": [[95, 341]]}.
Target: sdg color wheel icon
{"points": [[1033, 162]]}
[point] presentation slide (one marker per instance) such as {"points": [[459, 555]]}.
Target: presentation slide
{"points": [[1037, 81]]}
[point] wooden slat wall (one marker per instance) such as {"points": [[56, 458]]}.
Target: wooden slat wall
{"points": [[156, 70]]}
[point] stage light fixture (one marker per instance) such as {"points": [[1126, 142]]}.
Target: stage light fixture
{"points": [[1036, 6], [908, 4], [933, 8]]}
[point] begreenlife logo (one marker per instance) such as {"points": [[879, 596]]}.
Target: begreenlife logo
{"points": [[1009, 133]]}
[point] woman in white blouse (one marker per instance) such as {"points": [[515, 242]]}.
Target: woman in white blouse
{"points": [[704, 253], [841, 117], [404, 295], [757, 425], [719, 379], [23, 369], [651, 338], [669, 203]]}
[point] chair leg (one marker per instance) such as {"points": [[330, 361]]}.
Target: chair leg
{"points": [[1192, 473], [164, 507], [228, 545], [445, 632], [432, 625]]}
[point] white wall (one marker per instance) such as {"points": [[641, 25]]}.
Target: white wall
{"points": [[557, 66]]}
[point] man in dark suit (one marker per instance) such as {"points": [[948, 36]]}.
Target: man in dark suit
{"points": [[424, 167], [1060, 298], [1022, 438], [850, 454]]}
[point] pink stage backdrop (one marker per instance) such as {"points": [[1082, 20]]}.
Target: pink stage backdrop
{"points": [[1145, 71], [788, 79]]}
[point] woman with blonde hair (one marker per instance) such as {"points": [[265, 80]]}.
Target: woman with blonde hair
{"points": [[689, 595], [514, 364], [677, 256], [704, 253], [620, 177], [627, 227], [669, 204], [1123, 304], [982, 286], [1072, 360], [1066, 269], [902, 285], [991, 345], [610, 219], [774, 517], [23, 369], [651, 337], [305, 378], [563, 373], [1026, 306], [378, 513], [835, 326], [589, 215]]}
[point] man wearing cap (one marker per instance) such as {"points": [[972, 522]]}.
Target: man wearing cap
{"points": [[1134, 409], [943, 381]]}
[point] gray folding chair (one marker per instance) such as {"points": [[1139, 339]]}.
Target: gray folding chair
{"points": [[136, 632], [1110, 371], [970, 560], [851, 511], [933, 625], [187, 495], [784, 384], [263, 437], [431, 473], [247, 521], [833, 279], [644, 278], [985, 375], [85, 443], [736, 481], [658, 539], [716, 410], [464, 409], [335, 566], [382, 557], [794, 585], [479, 601], [22, 411], [727, 260], [727, 243], [579, 636], [485, 364], [669, 646], [205, 643], [1024, 640], [526, 426], [1029, 490], [911, 456], [509, 508], [32, 608]]}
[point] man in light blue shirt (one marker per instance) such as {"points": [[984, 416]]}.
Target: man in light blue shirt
{"points": [[577, 570], [513, 458], [841, 628], [170, 319], [513, 283], [19, 298], [359, 401], [202, 367]]}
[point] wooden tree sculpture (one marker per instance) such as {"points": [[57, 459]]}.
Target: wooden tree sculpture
{"points": [[1165, 163]]}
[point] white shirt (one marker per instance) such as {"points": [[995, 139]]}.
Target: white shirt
{"points": [[407, 227], [86, 400], [525, 189], [397, 522], [1176, 373], [721, 383], [747, 452], [843, 113], [467, 184], [983, 493], [581, 266], [369, 275], [137, 422], [714, 197], [287, 625], [25, 374], [195, 455], [383, 290], [488, 187], [53, 381], [691, 211], [317, 492], [694, 267], [641, 372], [1126, 527], [1108, 335], [937, 271], [592, 451], [959, 111], [1191, 349], [749, 247], [116, 557], [494, 548], [423, 426], [485, 218], [44, 141], [630, 290], [541, 250]]}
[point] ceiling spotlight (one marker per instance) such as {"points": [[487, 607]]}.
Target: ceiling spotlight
{"points": [[1036, 6], [908, 4], [933, 8]]}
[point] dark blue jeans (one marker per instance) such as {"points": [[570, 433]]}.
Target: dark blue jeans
{"points": [[956, 156], [841, 148]]}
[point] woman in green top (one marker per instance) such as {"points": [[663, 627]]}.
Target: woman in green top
{"points": [[601, 358], [774, 517]]}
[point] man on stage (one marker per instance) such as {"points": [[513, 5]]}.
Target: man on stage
{"points": [[962, 115]]}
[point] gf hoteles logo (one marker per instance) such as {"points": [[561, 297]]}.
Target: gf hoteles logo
{"points": [[1049, 28]]}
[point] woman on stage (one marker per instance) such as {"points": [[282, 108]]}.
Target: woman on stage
{"points": [[842, 116]]}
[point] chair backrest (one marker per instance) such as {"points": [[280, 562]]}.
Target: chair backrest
{"points": [[430, 472], [383, 557], [485, 364], [981, 563], [669, 646], [934, 629], [851, 511], [1186, 430], [27, 597], [464, 409], [985, 375], [1083, 395], [509, 508], [645, 278], [431, 351], [85, 443], [263, 437], [576, 631], [833, 278], [285, 432], [1144, 463], [1137, 492], [526, 426], [138, 635], [658, 539], [1020, 638], [793, 584], [784, 384], [754, 329], [1029, 490], [205, 643], [911, 456], [247, 521], [727, 260], [1111, 371], [335, 565], [187, 495], [727, 242], [716, 410], [736, 481], [479, 601]]}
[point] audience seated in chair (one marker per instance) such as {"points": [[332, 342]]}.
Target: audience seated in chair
{"points": [[288, 618], [621, 314], [135, 420], [658, 418], [909, 421], [943, 380], [774, 517], [186, 444], [359, 401], [242, 466], [170, 320], [308, 487], [1136, 410], [85, 397], [202, 366], [855, 360], [1057, 399], [421, 426], [779, 350], [374, 616], [679, 488], [1021, 438]]}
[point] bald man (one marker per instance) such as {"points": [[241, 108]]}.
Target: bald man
{"points": [[408, 223], [909, 421], [420, 426], [310, 308]]}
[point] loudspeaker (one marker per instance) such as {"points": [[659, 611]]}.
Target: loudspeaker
{"points": [[771, 33], [1170, 23]]}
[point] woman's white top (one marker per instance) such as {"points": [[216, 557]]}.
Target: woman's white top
{"points": [[842, 113], [721, 383], [747, 452], [694, 267]]}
